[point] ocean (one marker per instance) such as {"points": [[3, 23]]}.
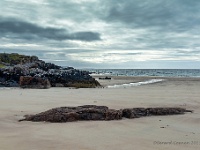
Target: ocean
{"points": [[148, 72], [145, 72]]}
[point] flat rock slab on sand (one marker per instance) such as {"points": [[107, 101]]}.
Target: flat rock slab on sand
{"points": [[93, 112]]}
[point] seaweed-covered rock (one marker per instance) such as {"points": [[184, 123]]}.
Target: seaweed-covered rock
{"points": [[141, 112], [113, 114], [68, 114], [134, 112], [93, 112]]}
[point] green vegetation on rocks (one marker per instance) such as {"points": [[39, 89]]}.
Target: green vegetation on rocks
{"points": [[1, 65], [14, 58]]}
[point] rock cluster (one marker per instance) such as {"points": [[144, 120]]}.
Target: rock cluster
{"points": [[31, 66], [93, 112]]}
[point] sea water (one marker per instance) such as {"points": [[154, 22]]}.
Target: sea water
{"points": [[148, 72]]}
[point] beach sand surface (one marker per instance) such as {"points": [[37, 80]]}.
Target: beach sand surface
{"points": [[148, 133]]}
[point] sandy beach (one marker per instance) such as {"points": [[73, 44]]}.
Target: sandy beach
{"points": [[148, 133]]}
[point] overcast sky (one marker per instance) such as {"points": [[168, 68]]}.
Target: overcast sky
{"points": [[104, 33]]}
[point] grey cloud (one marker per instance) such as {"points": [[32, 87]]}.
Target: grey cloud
{"points": [[25, 30], [59, 58], [178, 15], [187, 53], [158, 25], [42, 53], [124, 54], [137, 12], [85, 36]]}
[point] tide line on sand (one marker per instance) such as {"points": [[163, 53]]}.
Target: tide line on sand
{"points": [[135, 84]]}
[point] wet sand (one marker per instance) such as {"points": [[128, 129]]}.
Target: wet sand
{"points": [[159, 132]]}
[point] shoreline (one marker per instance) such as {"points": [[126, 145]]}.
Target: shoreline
{"points": [[118, 80]]}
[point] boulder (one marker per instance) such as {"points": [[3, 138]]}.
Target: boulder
{"points": [[34, 82]]}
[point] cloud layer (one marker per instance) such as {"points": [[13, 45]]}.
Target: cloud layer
{"points": [[101, 34], [24, 30]]}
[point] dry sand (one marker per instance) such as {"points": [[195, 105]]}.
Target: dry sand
{"points": [[178, 132]]}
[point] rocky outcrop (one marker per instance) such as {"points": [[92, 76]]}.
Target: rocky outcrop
{"points": [[34, 82], [33, 67], [93, 112]]}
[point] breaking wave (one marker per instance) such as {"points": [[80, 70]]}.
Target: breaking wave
{"points": [[135, 84]]}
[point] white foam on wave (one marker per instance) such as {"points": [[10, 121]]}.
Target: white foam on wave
{"points": [[136, 84]]}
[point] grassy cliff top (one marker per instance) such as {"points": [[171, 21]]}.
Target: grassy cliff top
{"points": [[14, 59], [1, 65]]}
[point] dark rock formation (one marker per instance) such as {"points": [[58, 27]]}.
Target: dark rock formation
{"points": [[141, 112], [106, 78], [67, 114], [34, 82], [93, 112], [20, 65]]}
